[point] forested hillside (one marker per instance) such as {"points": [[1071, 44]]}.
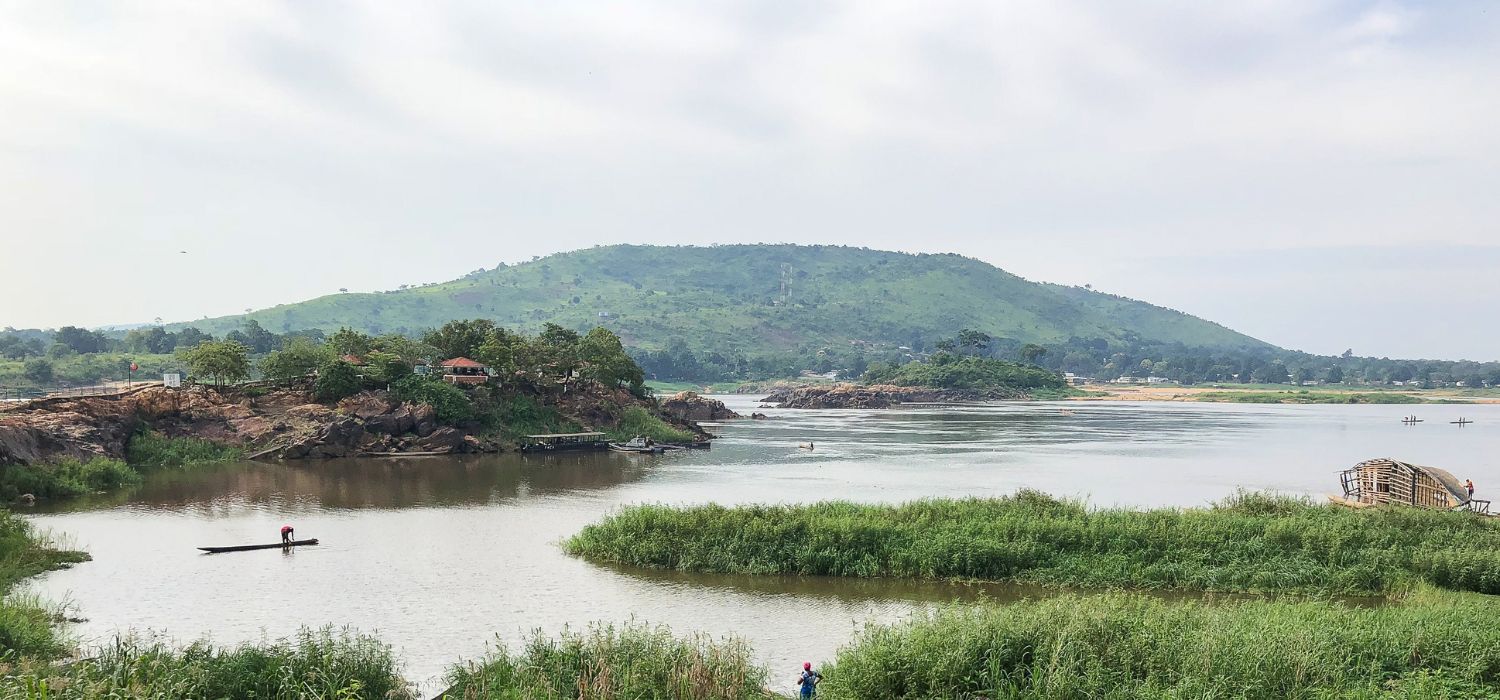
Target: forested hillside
{"points": [[755, 299]]}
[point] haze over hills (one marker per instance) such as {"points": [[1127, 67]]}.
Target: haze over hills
{"points": [[749, 298]]}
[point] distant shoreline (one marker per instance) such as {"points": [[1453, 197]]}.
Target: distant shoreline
{"points": [[1288, 394]]}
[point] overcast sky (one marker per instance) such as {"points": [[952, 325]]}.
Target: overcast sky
{"points": [[1321, 175]]}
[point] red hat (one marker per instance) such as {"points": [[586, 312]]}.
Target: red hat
{"points": [[807, 665]]}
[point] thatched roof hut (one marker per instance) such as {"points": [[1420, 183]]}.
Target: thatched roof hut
{"points": [[1386, 480]]}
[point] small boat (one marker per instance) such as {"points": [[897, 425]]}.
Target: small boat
{"points": [[637, 444], [249, 547], [1411, 419], [1461, 421]]}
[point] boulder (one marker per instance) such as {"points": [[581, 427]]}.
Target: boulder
{"points": [[689, 406], [424, 420], [398, 421], [442, 440]]}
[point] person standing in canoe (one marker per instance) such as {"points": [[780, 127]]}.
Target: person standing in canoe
{"points": [[1469, 484], [286, 534], [809, 680]]}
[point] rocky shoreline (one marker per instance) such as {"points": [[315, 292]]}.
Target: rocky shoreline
{"points": [[877, 396], [284, 423]]}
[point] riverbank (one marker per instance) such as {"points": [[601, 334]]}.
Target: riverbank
{"points": [[1266, 394], [290, 423]]}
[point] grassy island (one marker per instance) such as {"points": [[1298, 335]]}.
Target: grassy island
{"points": [[1251, 542]]}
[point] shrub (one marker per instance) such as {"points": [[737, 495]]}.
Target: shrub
{"points": [[152, 450], [1132, 646], [633, 661], [635, 420], [449, 403], [66, 478], [312, 665], [336, 380]]}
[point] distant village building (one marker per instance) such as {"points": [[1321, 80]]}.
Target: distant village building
{"points": [[462, 370], [353, 360]]}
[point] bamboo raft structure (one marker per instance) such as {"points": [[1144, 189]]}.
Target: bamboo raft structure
{"points": [[1388, 481]]}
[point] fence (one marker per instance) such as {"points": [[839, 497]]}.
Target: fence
{"points": [[10, 397]]}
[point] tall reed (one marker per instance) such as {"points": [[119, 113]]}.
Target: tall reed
{"points": [[1128, 646], [313, 664], [607, 662], [1253, 542]]}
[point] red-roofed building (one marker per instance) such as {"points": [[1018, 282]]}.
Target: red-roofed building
{"points": [[462, 370], [353, 360]]}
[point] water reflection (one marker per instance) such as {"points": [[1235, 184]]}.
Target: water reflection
{"points": [[374, 483], [437, 555]]}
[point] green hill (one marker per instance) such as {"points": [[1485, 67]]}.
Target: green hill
{"points": [[754, 299]]}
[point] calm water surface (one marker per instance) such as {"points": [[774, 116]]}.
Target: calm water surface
{"points": [[442, 556]]}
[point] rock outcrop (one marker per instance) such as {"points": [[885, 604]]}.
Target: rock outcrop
{"points": [[875, 396], [690, 406]]}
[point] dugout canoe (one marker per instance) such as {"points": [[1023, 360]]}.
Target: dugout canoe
{"points": [[248, 547]]}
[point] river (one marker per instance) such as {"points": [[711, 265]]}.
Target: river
{"points": [[443, 556]]}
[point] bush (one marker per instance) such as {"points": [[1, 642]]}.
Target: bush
{"points": [[634, 661], [336, 380], [1250, 543], [1131, 646], [66, 478], [312, 665], [25, 625], [449, 403], [152, 450], [635, 420]]}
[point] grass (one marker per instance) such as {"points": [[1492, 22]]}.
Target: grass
{"points": [[25, 624], [314, 664], [1304, 396], [668, 388], [1253, 542], [1122, 646], [150, 450], [606, 662], [66, 478], [635, 420]]}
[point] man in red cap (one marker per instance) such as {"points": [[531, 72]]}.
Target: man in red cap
{"points": [[286, 534], [809, 680]]}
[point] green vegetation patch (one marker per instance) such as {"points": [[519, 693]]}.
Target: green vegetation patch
{"points": [[637, 421], [606, 662], [319, 664], [1319, 397], [25, 624], [151, 450], [1123, 646], [1253, 542], [969, 373], [449, 403], [66, 478]]}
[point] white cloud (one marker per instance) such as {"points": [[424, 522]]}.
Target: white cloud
{"points": [[1048, 137]]}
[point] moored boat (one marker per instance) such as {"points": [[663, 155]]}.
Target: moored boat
{"points": [[638, 444]]}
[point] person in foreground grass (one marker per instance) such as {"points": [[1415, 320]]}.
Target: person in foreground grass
{"points": [[807, 683]]}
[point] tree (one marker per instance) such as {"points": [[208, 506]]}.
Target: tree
{"points": [[298, 358], [336, 380], [81, 340], [1335, 375], [1271, 373], [348, 341], [459, 338], [38, 370], [974, 341], [190, 337], [1031, 352], [222, 362], [385, 366], [259, 339], [604, 360]]}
